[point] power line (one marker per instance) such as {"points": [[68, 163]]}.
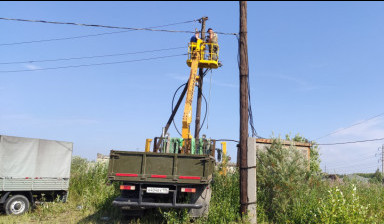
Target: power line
{"points": [[64, 38], [88, 57], [226, 140], [379, 115], [90, 35], [106, 26], [343, 143], [87, 65]]}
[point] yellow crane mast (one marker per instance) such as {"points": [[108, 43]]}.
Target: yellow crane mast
{"points": [[193, 77], [197, 58]]}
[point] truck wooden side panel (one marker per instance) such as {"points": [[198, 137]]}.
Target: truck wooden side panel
{"points": [[160, 167], [44, 184]]}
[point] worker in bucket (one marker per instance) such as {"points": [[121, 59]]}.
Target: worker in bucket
{"points": [[195, 37], [213, 47]]}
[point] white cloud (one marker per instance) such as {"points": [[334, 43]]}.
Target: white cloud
{"points": [[32, 66], [358, 157]]}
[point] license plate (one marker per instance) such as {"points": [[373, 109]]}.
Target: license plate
{"points": [[157, 190]]}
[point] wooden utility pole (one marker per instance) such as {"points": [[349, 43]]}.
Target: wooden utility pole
{"points": [[243, 69], [200, 83]]}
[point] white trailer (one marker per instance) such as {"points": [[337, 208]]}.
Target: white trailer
{"points": [[31, 169]]}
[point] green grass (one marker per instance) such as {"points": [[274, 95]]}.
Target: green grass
{"points": [[285, 195]]}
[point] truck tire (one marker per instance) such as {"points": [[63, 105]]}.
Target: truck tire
{"points": [[16, 205], [202, 196]]}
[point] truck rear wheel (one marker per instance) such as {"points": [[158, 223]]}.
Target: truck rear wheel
{"points": [[202, 196], [16, 205]]}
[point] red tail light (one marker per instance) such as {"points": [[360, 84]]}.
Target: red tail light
{"points": [[188, 190], [189, 178], [159, 176], [127, 187], [126, 175]]}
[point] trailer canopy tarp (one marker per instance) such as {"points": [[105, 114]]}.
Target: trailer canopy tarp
{"points": [[34, 158]]}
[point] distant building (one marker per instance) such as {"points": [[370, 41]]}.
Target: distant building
{"points": [[102, 158], [303, 147]]}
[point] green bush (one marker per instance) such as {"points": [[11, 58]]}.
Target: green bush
{"points": [[282, 177], [88, 186], [225, 201], [338, 207], [289, 192]]}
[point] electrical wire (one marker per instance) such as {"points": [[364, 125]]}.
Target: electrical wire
{"points": [[88, 65], [89, 57], [226, 140], [250, 114], [205, 100], [379, 115], [62, 38], [106, 26], [90, 35], [173, 100], [206, 112], [343, 143], [209, 96]]}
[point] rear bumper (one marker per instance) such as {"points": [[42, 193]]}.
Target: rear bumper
{"points": [[125, 202]]}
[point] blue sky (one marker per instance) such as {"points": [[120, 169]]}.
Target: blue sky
{"points": [[315, 67]]}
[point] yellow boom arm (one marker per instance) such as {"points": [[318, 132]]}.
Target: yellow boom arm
{"points": [[187, 117]]}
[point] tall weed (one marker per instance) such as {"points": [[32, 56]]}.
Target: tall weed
{"points": [[88, 186], [225, 201]]}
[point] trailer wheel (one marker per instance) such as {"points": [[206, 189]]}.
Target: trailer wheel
{"points": [[16, 205]]}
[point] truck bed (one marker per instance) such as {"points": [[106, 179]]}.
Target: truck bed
{"points": [[160, 167]]}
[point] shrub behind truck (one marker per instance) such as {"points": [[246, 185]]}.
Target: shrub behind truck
{"points": [[32, 169], [162, 180]]}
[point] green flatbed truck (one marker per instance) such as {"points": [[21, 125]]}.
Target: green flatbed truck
{"points": [[162, 180]]}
